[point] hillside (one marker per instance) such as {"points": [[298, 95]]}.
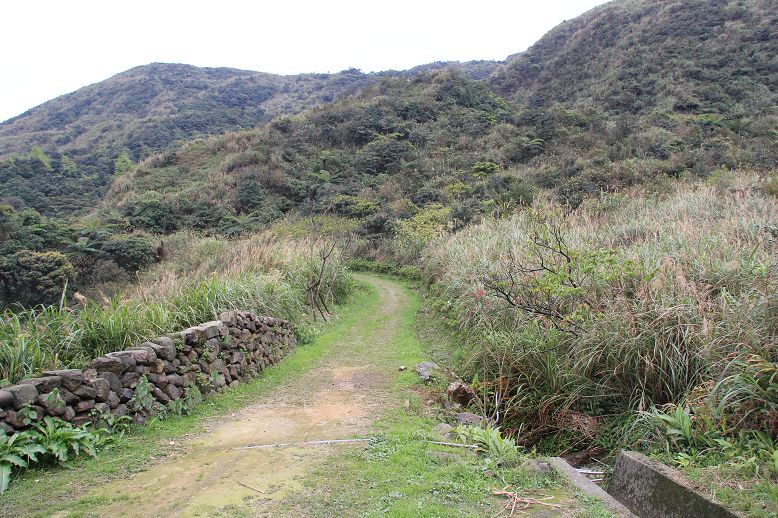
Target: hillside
{"points": [[146, 109], [451, 148]]}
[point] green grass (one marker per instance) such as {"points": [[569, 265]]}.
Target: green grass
{"points": [[40, 490], [400, 473]]}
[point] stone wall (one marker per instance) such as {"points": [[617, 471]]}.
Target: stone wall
{"points": [[212, 355]]}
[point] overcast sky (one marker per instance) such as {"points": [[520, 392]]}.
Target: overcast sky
{"points": [[53, 47]]}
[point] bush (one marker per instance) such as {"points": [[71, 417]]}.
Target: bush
{"points": [[32, 278], [131, 253]]}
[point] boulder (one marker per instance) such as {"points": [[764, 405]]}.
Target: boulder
{"points": [[71, 378], [52, 403], [107, 364], [15, 419], [125, 395], [426, 370], [160, 395], [7, 428], [460, 392], [173, 392], [68, 396], [159, 380], [22, 395], [468, 419], [130, 379], [113, 400], [144, 355], [175, 379], [102, 389], [113, 380], [86, 392], [157, 367], [69, 413], [163, 347], [85, 405], [44, 384], [6, 399], [127, 359]]}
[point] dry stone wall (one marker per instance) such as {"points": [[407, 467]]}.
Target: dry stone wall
{"points": [[210, 356]]}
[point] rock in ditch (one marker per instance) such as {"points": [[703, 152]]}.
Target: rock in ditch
{"points": [[460, 392], [468, 419], [426, 370]]}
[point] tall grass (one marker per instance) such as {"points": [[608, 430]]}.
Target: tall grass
{"points": [[202, 278], [657, 299]]}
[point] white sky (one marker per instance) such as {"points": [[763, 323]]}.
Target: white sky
{"points": [[52, 47]]}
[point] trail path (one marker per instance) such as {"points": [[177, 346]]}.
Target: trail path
{"points": [[337, 399]]}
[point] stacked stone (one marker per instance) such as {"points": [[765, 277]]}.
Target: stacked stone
{"points": [[212, 355]]}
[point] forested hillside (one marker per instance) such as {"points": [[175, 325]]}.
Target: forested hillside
{"points": [[622, 96], [147, 109]]}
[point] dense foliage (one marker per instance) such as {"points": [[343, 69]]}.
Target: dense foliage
{"points": [[45, 261], [409, 158], [609, 324]]}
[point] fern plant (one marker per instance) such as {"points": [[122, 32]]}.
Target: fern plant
{"points": [[490, 440]]}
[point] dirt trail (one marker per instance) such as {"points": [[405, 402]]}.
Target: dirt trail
{"points": [[337, 399]]}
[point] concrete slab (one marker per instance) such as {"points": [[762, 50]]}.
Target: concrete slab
{"points": [[586, 486], [653, 490]]}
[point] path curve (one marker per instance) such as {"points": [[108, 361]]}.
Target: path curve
{"points": [[338, 398]]}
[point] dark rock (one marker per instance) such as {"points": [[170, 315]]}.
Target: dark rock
{"points": [[127, 359], [6, 399], [170, 367], [157, 367], [460, 392], [220, 381], [15, 419], [69, 413], [113, 380], [426, 370], [102, 388], [125, 395], [84, 405], [175, 379], [107, 364], [143, 355], [113, 400], [584, 457], [22, 395], [159, 380], [215, 366], [86, 392], [52, 403], [130, 379], [537, 466], [68, 396], [141, 369], [166, 351], [120, 410], [173, 391], [81, 420], [159, 395], [7, 428], [44, 384], [71, 378], [233, 372], [234, 383], [468, 418]]}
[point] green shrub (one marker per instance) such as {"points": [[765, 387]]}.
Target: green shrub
{"points": [[32, 278]]}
